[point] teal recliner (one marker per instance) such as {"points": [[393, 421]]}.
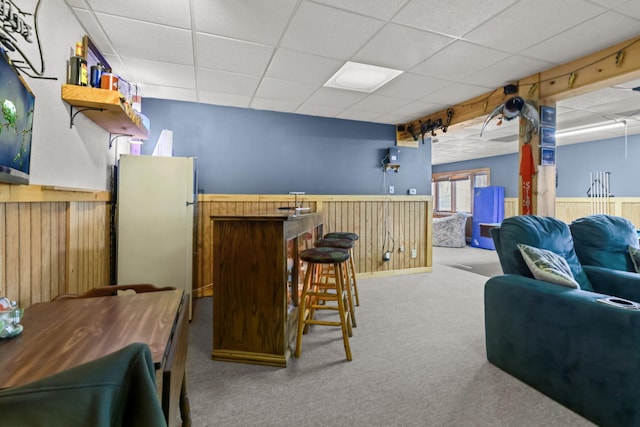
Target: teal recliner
{"points": [[564, 342], [117, 390], [603, 241]]}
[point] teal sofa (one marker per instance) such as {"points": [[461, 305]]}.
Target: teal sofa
{"points": [[567, 343], [117, 390]]}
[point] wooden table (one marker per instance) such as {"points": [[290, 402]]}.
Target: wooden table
{"points": [[59, 335], [257, 279]]}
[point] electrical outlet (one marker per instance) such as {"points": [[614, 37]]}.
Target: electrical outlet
{"points": [[401, 249], [391, 189], [414, 253], [412, 191]]}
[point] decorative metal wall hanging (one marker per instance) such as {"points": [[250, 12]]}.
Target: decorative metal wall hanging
{"points": [[19, 37]]}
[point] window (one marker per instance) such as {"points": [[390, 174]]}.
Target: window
{"points": [[453, 191]]}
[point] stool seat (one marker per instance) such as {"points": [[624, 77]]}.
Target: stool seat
{"points": [[341, 235], [334, 243], [324, 255]]}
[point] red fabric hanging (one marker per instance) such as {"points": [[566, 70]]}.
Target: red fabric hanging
{"points": [[527, 170]]}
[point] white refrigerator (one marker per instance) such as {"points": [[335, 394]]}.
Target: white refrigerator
{"points": [[155, 205]]}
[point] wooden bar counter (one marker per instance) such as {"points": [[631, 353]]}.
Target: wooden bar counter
{"points": [[256, 280]]}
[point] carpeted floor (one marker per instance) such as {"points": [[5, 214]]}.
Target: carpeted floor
{"points": [[474, 260], [418, 360]]}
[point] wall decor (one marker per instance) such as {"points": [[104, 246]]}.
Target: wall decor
{"points": [[547, 116], [547, 136], [19, 36], [547, 156]]}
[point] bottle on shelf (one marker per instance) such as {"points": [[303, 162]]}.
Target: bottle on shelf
{"points": [[96, 75], [78, 72]]}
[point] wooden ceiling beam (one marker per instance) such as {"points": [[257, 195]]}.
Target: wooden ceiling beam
{"points": [[613, 65]]}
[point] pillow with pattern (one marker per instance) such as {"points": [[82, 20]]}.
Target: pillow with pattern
{"points": [[548, 266], [634, 253]]}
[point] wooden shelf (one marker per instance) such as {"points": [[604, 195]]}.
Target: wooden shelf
{"points": [[104, 108]]}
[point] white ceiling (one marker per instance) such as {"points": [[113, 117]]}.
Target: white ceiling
{"points": [[277, 54]]}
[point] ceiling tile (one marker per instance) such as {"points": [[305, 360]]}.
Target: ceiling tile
{"points": [[329, 32], [335, 97], [631, 8], [252, 20], [411, 86], [382, 9], [400, 47], [225, 54], [379, 104], [148, 41], [318, 110], [302, 68], [225, 82], [454, 18], [175, 13], [458, 60], [363, 116], [274, 105], [583, 39], [507, 71], [92, 27], [77, 3], [226, 99], [165, 92], [418, 109], [283, 90], [455, 93], [394, 118], [538, 20], [161, 73]]}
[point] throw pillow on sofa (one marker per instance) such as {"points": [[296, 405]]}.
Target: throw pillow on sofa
{"points": [[548, 266], [634, 253]]}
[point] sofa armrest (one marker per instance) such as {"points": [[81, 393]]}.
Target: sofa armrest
{"points": [[562, 342], [623, 284]]}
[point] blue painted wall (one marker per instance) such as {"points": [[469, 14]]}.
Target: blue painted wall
{"points": [[574, 164], [245, 151]]}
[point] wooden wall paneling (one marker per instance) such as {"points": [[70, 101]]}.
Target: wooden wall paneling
{"points": [[37, 265], [360, 247], [12, 255], [72, 250], [371, 237], [3, 248], [631, 211], [45, 251], [61, 257], [26, 261]]}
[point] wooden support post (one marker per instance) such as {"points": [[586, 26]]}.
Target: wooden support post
{"points": [[537, 191]]}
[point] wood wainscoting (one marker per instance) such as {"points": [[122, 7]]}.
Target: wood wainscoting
{"points": [[571, 208], [52, 242], [382, 223]]}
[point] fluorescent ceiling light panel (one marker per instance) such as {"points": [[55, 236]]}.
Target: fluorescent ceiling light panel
{"points": [[361, 77], [589, 129]]}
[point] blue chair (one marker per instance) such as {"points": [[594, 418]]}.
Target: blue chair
{"points": [[603, 241], [580, 347]]}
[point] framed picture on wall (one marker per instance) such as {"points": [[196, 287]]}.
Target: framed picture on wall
{"points": [[548, 136], [547, 116], [547, 156]]}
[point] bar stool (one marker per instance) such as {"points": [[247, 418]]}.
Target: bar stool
{"points": [[314, 297], [326, 274], [353, 237]]}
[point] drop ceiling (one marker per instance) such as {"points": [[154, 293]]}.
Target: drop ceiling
{"points": [[277, 54]]}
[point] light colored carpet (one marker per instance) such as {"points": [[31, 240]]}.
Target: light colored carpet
{"points": [[474, 260], [418, 360]]}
